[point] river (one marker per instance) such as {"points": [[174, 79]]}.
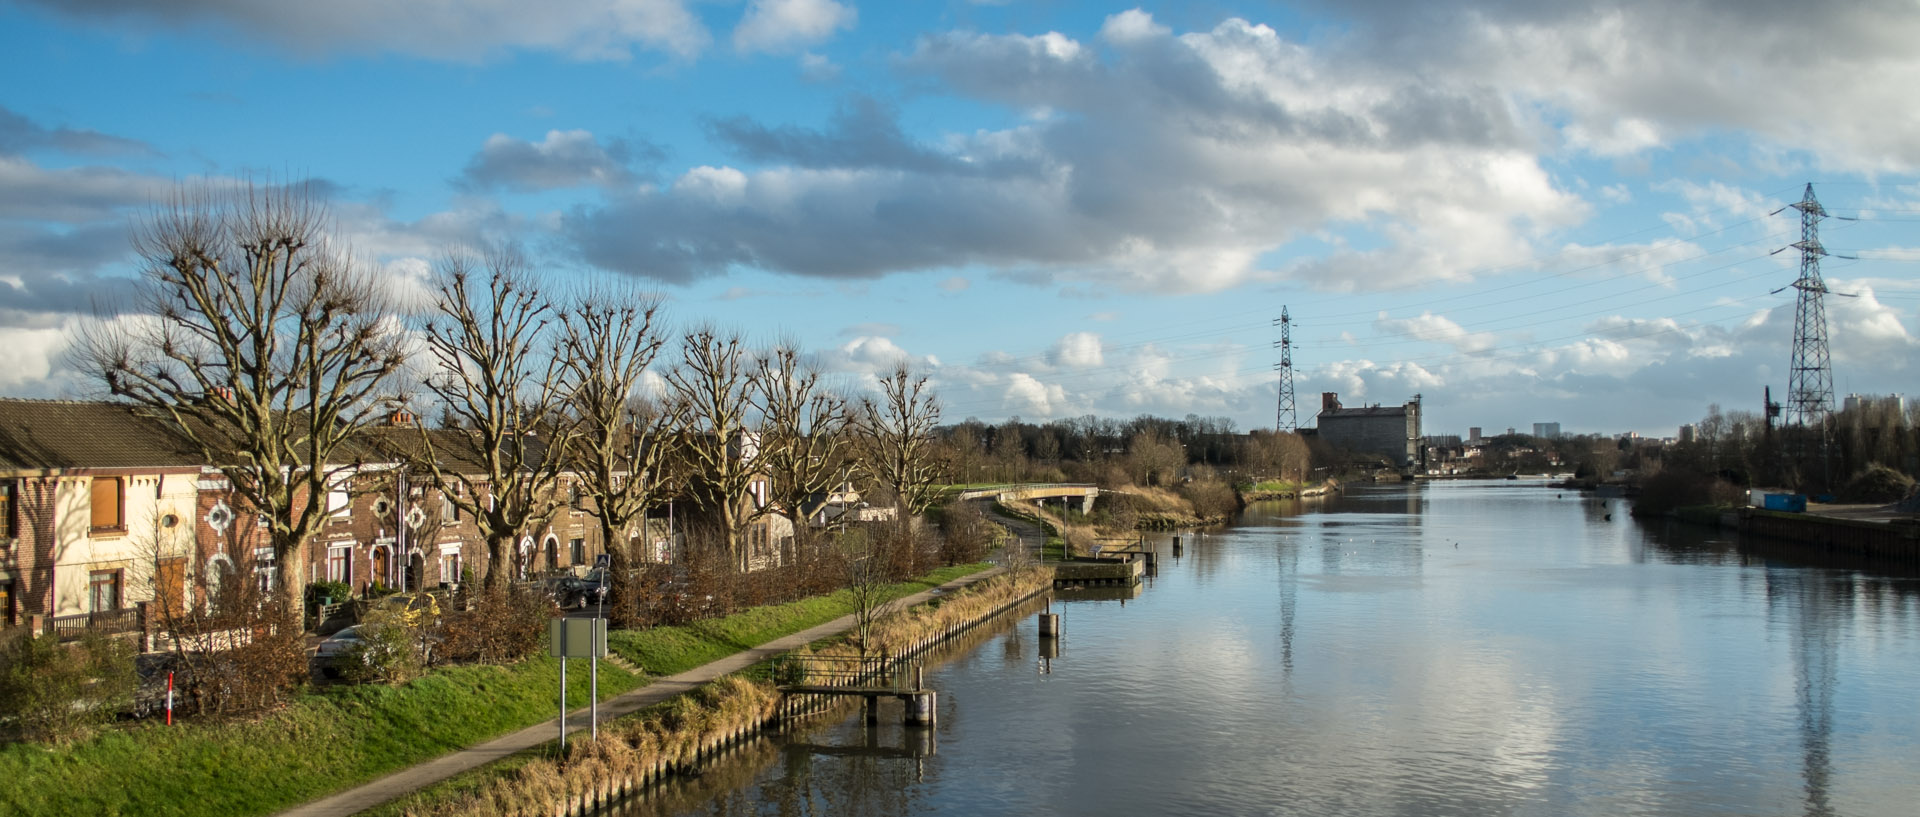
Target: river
{"points": [[1467, 648]]}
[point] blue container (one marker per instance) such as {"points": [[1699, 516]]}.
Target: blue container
{"points": [[1796, 503]]}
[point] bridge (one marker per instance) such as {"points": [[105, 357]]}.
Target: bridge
{"points": [[1028, 492]]}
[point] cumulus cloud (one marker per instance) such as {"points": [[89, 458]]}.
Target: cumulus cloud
{"points": [[1174, 166], [1435, 329], [1079, 350], [569, 158], [788, 25], [580, 29]]}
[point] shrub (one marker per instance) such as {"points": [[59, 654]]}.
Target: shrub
{"points": [[54, 692], [1877, 484], [497, 627], [390, 649], [965, 533], [338, 591], [1211, 499]]}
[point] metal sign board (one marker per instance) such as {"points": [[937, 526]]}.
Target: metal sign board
{"points": [[577, 637]]}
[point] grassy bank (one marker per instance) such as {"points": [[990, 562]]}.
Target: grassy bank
{"points": [[669, 650], [322, 742], [342, 736], [675, 731]]}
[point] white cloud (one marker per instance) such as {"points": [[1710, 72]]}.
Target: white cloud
{"points": [[1436, 329], [1131, 26], [1028, 397], [785, 25], [1079, 350]]}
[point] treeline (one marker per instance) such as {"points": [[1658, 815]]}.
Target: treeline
{"points": [[1867, 452], [1146, 451]]}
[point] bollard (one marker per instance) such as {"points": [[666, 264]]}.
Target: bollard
{"points": [[1049, 625], [921, 708], [1176, 546]]}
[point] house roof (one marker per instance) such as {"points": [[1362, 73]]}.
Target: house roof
{"points": [[47, 434]]}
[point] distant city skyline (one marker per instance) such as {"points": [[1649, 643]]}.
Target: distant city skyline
{"points": [[1527, 211]]}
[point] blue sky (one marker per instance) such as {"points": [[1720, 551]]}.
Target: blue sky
{"points": [[1524, 211]]}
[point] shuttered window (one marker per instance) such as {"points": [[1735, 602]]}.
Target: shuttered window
{"points": [[107, 496]]}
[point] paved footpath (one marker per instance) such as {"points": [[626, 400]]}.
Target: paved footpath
{"points": [[414, 778]]}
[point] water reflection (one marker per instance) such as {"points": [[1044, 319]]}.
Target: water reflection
{"points": [[1433, 649]]}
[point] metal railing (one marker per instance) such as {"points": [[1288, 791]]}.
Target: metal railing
{"points": [[124, 620]]}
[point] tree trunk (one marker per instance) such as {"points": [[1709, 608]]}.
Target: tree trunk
{"points": [[622, 590], [498, 546], [290, 556]]}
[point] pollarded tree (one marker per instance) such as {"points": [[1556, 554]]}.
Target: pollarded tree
{"points": [[712, 395], [266, 348], [620, 453], [497, 379], [803, 435], [895, 440]]}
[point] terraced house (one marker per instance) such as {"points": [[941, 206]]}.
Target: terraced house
{"points": [[98, 511]]}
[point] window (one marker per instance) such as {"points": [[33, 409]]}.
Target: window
{"points": [[579, 549], [575, 497], [339, 503], [108, 494], [340, 564], [103, 589], [9, 527], [8, 617], [266, 568], [449, 512]]}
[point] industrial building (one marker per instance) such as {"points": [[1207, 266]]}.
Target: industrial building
{"points": [[1388, 431]]}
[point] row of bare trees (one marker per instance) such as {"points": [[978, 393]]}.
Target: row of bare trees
{"points": [[275, 354]]}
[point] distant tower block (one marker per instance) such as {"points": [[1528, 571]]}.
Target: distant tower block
{"points": [[1286, 418], [1810, 375]]}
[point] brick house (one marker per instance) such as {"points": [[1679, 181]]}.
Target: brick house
{"points": [[98, 508]]}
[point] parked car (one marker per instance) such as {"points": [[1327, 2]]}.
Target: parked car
{"points": [[579, 591], [328, 656], [332, 654]]}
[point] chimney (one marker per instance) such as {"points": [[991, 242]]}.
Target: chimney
{"points": [[1329, 401], [400, 418]]}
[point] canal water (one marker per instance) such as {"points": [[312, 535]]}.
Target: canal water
{"points": [[1466, 648]]}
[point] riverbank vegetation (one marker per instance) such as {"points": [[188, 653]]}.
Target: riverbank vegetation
{"points": [[675, 734], [333, 737], [1871, 455]]}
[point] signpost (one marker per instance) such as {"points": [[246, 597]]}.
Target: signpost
{"points": [[577, 638]]}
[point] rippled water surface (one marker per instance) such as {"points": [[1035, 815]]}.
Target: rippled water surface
{"points": [[1454, 648]]}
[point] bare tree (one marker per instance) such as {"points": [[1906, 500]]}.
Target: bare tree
{"points": [[713, 393], [503, 390], [266, 348], [803, 438], [895, 434], [865, 561], [607, 342]]}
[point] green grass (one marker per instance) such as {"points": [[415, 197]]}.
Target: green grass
{"points": [[339, 737], [323, 742], [670, 650]]}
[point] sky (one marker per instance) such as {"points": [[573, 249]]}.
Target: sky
{"points": [[1521, 210]]}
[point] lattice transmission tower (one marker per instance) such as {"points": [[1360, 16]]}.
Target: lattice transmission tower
{"points": [[1285, 419], [1810, 375]]}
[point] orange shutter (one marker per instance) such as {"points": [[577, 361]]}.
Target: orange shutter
{"points": [[106, 502]]}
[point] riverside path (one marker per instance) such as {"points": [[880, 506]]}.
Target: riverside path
{"points": [[414, 778]]}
